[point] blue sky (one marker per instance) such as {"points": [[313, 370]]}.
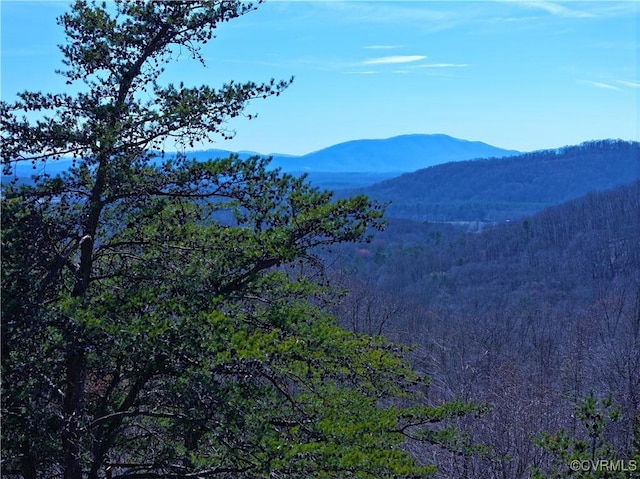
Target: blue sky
{"points": [[524, 75]]}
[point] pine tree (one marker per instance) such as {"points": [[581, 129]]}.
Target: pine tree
{"points": [[162, 317]]}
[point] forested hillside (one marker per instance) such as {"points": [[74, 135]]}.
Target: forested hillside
{"points": [[145, 338], [169, 318], [531, 316], [495, 190]]}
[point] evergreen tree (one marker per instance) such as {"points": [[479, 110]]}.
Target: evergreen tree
{"points": [[163, 318], [590, 455]]}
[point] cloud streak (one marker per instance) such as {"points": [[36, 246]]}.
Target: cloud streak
{"points": [[394, 59], [558, 10], [603, 86], [632, 84]]}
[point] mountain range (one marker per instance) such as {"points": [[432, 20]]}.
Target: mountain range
{"points": [[443, 179], [387, 157], [392, 155], [381, 158]]}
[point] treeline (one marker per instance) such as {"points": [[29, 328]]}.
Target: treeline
{"points": [[501, 189], [529, 316]]}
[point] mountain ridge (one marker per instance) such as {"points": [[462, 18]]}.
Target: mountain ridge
{"points": [[501, 189], [403, 153], [397, 154]]}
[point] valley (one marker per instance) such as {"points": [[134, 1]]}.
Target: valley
{"points": [[514, 280], [524, 295]]}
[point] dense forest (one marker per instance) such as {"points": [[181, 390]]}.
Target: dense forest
{"points": [[500, 189], [167, 318], [530, 316]]}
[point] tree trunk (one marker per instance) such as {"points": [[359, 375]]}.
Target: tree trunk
{"points": [[76, 356], [76, 367]]}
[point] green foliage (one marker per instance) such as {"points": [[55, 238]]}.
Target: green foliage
{"points": [[164, 318], [588, 455]]}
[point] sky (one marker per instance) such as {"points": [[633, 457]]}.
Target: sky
{"points": [[523, 75]]}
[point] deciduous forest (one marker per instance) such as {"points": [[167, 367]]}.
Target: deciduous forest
{"points": [[533, 317]]}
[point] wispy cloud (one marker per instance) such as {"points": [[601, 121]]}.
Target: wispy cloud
{"points": [[557, 9], [604, 86], [367, 72], [632, 84], [394, 59]]}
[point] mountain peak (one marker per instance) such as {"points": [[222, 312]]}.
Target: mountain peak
{"points": [[399, 154]]}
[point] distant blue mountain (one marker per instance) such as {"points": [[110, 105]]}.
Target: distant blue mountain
{"points": [[389, 156], [399, 154]]}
